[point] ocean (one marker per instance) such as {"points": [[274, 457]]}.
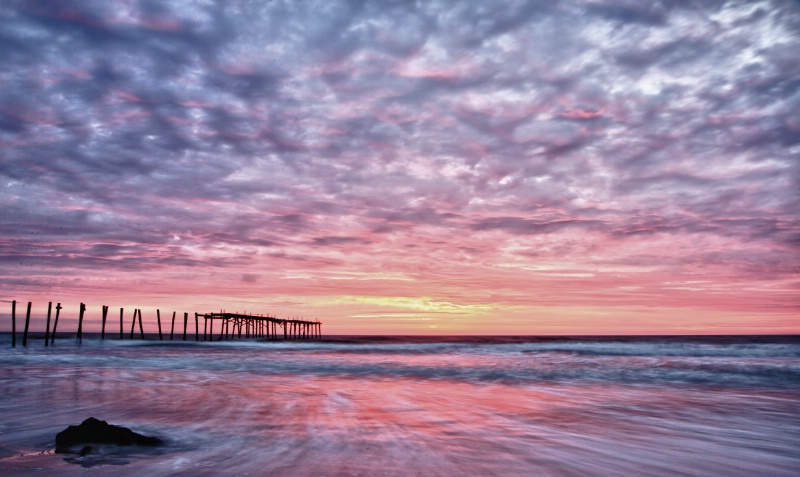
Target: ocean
{"points": [[410, 406]]}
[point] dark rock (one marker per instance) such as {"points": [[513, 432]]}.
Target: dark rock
{"points": [[100, 432], [86, 450]]}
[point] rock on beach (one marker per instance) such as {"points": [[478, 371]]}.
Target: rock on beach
{"points": [[95, 431]]}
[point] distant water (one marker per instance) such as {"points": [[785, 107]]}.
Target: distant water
{"points": [[411, 406]]}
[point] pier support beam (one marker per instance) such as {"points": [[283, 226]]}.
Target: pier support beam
{"points": [[13, 323], [27, 325], [55, 324], [103, 327], [47, 330], [141, 328], [80, 322]]}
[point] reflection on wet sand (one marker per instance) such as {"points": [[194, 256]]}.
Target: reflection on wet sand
{"points": [[228, 411]]}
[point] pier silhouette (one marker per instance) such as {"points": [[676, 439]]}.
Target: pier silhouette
{"points": [[257, 326], [228, 325]]}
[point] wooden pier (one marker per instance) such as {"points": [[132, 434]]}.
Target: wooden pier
{"points": [[229, 326], [235, 325]]}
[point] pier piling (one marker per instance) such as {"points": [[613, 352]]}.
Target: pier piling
{"points": [[103, 328], [80, 323], [27, 325], [133, 323], [47, 329], [158, 317], [141, 328], [55, 324], [14, 323]]}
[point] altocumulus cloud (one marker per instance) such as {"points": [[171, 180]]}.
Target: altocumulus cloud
{"points": [[611, 135]]}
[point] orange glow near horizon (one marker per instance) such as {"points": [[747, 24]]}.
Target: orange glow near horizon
{"points": [[381, 315]]}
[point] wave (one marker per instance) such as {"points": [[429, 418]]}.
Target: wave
{"points": [[652, 362]]}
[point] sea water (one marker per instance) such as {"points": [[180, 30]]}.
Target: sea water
{"points": [[410, 406]]}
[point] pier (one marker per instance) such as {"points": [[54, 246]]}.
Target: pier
{"points": [[228, 326], [235, 325]]}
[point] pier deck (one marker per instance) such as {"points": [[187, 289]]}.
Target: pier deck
{"points": [[234, 325]]}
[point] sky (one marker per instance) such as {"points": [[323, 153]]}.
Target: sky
{"points": [[399, 167]]}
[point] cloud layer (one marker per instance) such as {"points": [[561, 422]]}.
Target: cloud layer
{"points": [[494, 157]]}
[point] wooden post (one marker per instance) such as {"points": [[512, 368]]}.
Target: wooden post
{"points": [[133, 323], [158, 317], [47, 329], [55, 324], [27, 324], [172, 330], [205, 328], [120, 323], [13, 323], [196, 327], [185, 323], [141, 328], [80, 323], [103, 329]]}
